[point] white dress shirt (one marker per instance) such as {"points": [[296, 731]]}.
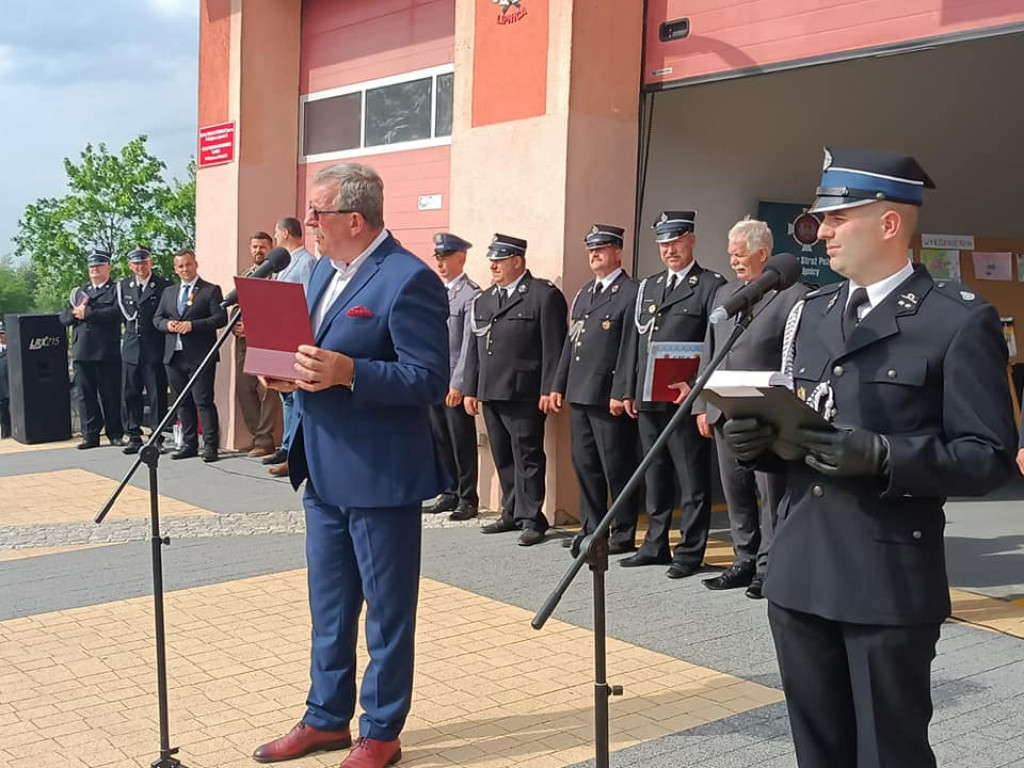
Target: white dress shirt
{"points": [[878, 291], [343, 274]]}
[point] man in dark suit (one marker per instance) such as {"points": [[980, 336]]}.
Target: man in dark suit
{"points": [[95, 321], [142, 348], [912, 374], [672, 305], [5, 390], [190, 314], [518, 328], [605, 446], [758, 349], [454, 429], [363, 444]]}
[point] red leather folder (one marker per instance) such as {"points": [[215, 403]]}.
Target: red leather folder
{"points": [[671, 370], [276, 322]]}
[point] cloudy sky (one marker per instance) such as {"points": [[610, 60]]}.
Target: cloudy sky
{"points": [[73, 73]]}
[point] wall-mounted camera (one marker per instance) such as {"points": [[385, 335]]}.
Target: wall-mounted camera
{"points": [[673, 30]]}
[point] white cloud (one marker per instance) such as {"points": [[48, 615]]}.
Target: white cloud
{"points": [[187, 8], [6, 59]]}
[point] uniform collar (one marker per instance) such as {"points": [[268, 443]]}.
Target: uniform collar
{"points": [[681, 274], [606, 281], [511, 287], [878, 291], [452, 283], [347, 270]]}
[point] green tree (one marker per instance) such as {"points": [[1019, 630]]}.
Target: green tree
{"points": [[115, 202], [17, 288]]}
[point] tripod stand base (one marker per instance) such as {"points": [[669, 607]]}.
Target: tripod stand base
{"points": [[167, 762]]}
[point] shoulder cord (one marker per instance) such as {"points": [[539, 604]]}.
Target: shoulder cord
{"points": [[641, 328], [120, 303]]}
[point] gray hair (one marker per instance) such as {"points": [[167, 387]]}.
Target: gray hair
{"points": [[359, 189], [754, 233]]}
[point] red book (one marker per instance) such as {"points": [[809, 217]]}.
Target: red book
{"points": [[671, 370], [276, 321]]}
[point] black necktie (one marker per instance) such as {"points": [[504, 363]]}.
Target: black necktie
{"points": [[850, 318], [501, 297], [670, 286]]}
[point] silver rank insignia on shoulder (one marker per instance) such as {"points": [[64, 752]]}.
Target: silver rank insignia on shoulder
{"points": [[833, 300], [522, 288], [693, 279], [907, 301], [660, 280], [967, 295]]}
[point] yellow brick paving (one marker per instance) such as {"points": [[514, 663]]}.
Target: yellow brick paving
{"points": [[77, 687], [74, 496], [11, 446]]}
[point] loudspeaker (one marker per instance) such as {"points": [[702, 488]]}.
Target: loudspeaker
{"points": [[37, 352]]}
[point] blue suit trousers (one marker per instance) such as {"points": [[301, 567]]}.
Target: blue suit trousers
{"points": [[357, 555]]}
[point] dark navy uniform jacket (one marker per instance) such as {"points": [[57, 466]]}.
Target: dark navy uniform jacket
{"points": [[587, 365], [97, 338], [514, 350], [682, 316], [926, 368], [143, 343]]}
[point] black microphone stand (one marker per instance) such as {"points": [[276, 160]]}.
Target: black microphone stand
{"points": [[150, 456], [594, 552]]}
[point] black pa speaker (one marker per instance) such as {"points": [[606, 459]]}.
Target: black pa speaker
{"points": [[37, 353]]}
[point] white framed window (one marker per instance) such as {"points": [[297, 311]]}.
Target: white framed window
{"points": [[391, 114]]}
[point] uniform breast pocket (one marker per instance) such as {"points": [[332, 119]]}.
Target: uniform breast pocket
{"points": [[893, 394], [522, 314], [808, 372]]}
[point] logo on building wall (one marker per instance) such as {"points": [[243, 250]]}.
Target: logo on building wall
{"points": [[804, 230], [511, 11]]}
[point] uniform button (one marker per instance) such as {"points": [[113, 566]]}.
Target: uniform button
{"points": [[891, 373], [655, 327], [490, 353], [685, 310], [583, 330], [818, 491], [801, 370], [586, 317], [916, 534], [577, 358], [838, 370]]}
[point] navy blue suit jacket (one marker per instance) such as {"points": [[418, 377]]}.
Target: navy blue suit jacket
{"points": [[372, 446]]}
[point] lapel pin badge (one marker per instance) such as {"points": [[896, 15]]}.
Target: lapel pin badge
{"points": [[693, 279]]}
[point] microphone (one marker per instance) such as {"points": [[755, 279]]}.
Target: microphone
{"points": [[276, 260], [780, 272]]}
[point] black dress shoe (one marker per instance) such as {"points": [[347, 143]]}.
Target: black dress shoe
{"points": [[529, 537], [499, 526], [756, 585], [446, 502], [641, 559], [464, 511], [87, 444], [621, 548], [735, 576], [116, 440], [134, 446], [280, 456], [185, 453], [566, 543], [680, 570], [210, 455]]}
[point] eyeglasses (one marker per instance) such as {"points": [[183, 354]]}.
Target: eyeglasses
{"points": [[316, 213]]}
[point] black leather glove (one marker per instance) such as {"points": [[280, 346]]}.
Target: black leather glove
{"points": [[846, 452], [748, 439]]}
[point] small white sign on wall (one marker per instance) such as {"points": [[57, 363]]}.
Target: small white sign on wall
{"points": [[429, 203], [948, 242]]}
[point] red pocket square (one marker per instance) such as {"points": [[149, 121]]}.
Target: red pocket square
{"points": [[359, 312]]}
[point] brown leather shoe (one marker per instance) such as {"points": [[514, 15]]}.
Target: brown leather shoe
{"points": [[281, 470], [259, 451], [300, 741], [371, 753]]}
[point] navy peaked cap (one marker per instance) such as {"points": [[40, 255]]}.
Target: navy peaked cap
{"points": [[504, 246], [98, 257], [853, 177], [604, 234], [672, 225]]}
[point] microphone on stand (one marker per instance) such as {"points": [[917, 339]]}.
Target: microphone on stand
{"points": [[276, 260], [780, 272]]}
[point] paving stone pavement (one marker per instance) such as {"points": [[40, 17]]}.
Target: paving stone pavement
{"points": [[978, 679]]}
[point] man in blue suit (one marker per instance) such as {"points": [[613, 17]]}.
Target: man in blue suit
{"points": [[364, 445]]}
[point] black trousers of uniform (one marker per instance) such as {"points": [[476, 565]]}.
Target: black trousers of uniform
{"points": [[5, 417], [143, 384], [515, 430], [752, 528], [858, 695], [686, 459], [200, 399], [455, 439], [99, 392], [604, 454]]}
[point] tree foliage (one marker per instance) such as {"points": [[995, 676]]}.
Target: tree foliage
{"points": [[17, 289], [115, 202]]}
